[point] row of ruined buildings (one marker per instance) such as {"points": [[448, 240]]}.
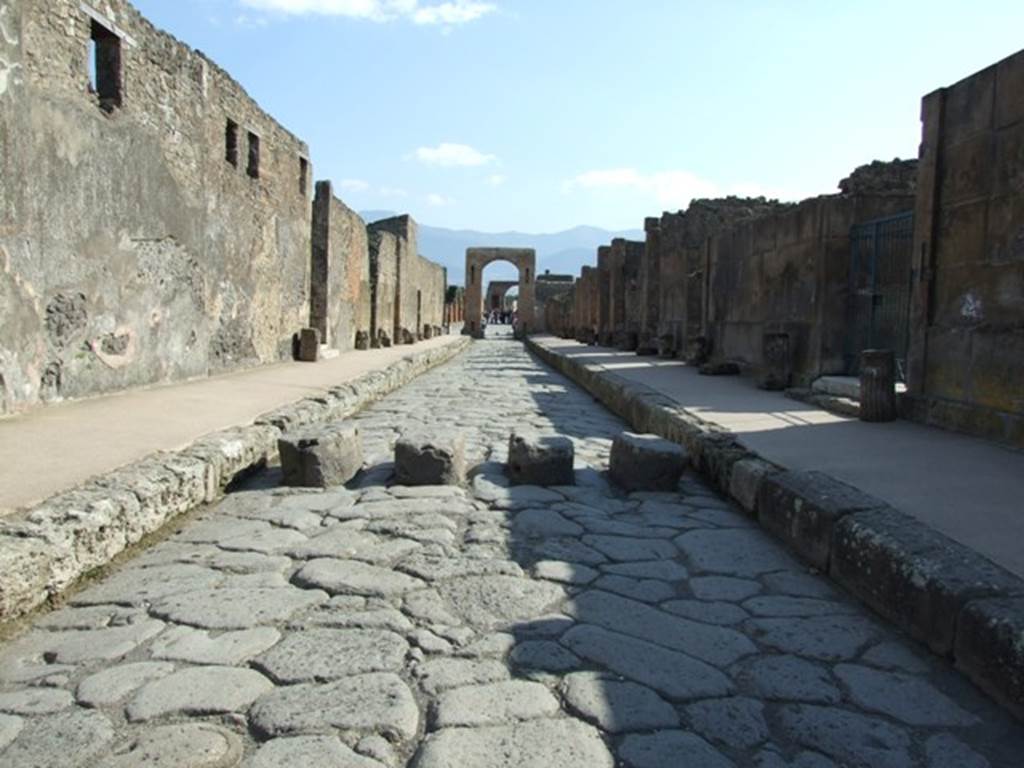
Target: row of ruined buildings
{"points": [[924, 257], [157, 225]]}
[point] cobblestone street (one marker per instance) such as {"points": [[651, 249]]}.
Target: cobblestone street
{"points": [[497, 627]]}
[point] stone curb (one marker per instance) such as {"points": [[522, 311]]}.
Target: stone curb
{"points": [[48, 548], [939, 591]]}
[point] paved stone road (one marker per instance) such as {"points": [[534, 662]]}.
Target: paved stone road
{"points": [[514, 627]]}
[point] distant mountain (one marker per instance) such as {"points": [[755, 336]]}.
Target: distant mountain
{"points": [[560, 252]]}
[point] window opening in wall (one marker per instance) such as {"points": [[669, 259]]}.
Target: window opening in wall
{"points": [[231, 143], [253, 168], [303, 176], [105, 66]]}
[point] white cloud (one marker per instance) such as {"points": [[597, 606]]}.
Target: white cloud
{"points": [[670, 189], [354, 185], [497, 179], [392, 192], [449, 13], [450, 155], [439, 201]]}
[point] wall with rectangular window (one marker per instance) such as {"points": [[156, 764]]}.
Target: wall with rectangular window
{"points": [[181, 186]]}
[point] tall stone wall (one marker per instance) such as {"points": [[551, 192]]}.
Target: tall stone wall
{"points": [[604, 296], [340, 295], [133, 250], [549, 286], [416, 284], [625, 292], [787, 271], [383, 248], [966, 361]]}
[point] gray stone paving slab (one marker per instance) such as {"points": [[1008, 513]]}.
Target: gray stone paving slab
{"points": [[903, 697], [567, 573], [10, 727], [673, 674], [493, 703], [374, 703], [722, 613], [114, 684], [35, 701], [533, 744], [737, 722], [790, 678], [663, 570], [830, 638], [727, 588], [227, 648], [437, 675], [352, 577], [309, 752], [139, 586], [198, 691], [330, 654], [736, 552], [720, 646], [621, 548], [848, 737], [490, 601], [947, 751], [615, 705], [74, 738], [236, 608], [665, 749], [186, 745]]}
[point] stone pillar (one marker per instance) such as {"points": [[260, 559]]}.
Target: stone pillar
{"points": [[777, 366], [877, 385]]}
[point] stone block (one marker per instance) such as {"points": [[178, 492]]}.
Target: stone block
{"points": [[321, 456], [912, 575], [540, 459], [802, 508], [309, 345], [990, 649], [646, 462], [422, 459], [745, 481]]}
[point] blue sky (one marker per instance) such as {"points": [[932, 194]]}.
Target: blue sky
{"points": [[539, 115]]}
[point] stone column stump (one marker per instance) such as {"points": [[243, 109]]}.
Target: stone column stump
{"points": [[877, 385], [322, 455], [309, 345], [777, 370], [540, 459], [646, 462], [422, 459]]}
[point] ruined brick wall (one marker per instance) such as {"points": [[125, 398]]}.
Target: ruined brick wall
{"points": [[631, 264], [430, 282], [340, 271], [787, 271], [133, 252], [966, 362], [650, 286]]}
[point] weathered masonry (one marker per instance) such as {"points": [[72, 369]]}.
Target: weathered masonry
{"points": [[922, 257], [966, 359], [155, 223]]}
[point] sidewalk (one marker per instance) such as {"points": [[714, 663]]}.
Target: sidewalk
{"points": [[968, 489], [54, 448]]}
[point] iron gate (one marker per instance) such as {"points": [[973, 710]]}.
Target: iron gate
{"points": [[880, 274]]}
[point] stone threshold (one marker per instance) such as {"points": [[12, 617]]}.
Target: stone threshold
{"points": [[940, 592], [47, 549]]}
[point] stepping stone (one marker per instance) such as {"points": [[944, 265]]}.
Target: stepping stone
{"points": [[422, 459], [321, 456], [540, 459], [646, 462]]}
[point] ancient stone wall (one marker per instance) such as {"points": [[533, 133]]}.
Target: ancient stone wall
{"points": [[143, 239], [625, 290], [604, 299], [383, 248], [787, 271], [550, 286], [966, 361], [340, 294]]}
